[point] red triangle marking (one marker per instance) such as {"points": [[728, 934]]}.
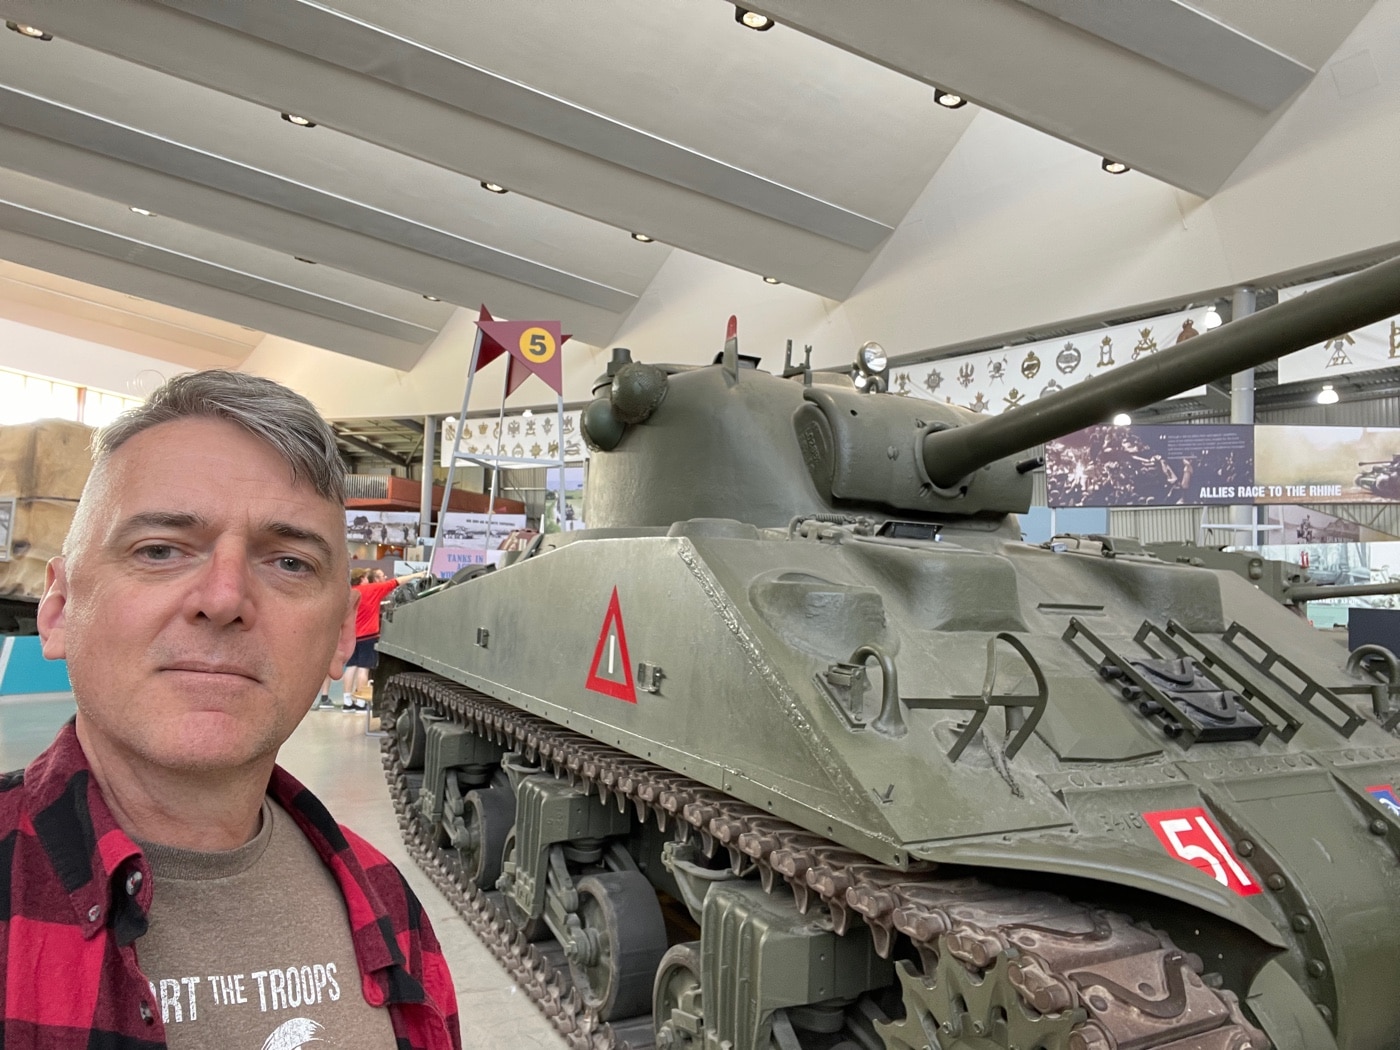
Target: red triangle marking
{"points": [[621, 690]]}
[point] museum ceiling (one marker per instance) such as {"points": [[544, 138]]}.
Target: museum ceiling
{"points": [[196, 173]]}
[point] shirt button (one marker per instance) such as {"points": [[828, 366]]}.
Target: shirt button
{"points": [[94, 912], [146, 1014], [133, 883]]}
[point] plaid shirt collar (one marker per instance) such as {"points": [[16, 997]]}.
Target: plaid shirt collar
{"points": [[105, 874]]}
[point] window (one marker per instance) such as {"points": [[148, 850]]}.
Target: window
{"points": [[25, 398]]}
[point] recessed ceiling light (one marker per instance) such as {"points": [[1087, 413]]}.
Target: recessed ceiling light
{"points": [[301, 122], [494, 187], [643, 238], [142, 211], [302, 258], [431, 298], [1122, 419], [752, 19], [1327, 395], [33, 32], [772, 280], [948, 99], [1114, 167]]}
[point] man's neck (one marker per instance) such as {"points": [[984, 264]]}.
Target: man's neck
{"points": [[193, 810]]}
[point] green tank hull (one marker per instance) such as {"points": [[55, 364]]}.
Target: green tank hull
{"points": [[802, 703]]}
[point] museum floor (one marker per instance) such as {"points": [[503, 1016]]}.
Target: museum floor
{"points": [[331, 753]]}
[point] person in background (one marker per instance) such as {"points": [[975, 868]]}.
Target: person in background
{"points": [[373, 588], [324, 701], [146, 856]]}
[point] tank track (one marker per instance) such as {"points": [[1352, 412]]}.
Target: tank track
{"points": [[1085, 979]]}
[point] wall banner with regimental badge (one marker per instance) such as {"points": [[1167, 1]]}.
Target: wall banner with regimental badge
{"points": [[1360, 350], [532, 437], [992, 381]]}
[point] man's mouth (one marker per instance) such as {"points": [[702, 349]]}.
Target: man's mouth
{"points": [[205, 667]]}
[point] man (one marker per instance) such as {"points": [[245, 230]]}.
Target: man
{"points": [[162, 881]]}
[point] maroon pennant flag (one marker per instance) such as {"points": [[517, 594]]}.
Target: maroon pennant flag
{"points": [[533, 346]]}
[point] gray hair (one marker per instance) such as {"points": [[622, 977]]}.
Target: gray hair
{"points": [[266, 409]]}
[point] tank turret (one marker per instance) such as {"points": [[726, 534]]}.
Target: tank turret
{"points": [[763, 449]]}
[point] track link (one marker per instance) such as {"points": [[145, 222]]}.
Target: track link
{"points": [[1112, 984]]}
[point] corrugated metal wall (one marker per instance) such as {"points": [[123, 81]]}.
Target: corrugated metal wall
{"points": [[1155, 524], [1374, 412]]}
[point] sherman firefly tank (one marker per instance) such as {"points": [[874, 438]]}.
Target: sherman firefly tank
{"points": [[799, 746]]}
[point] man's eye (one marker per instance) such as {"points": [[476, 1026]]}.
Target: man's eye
{"points": [[156, 552], [290, 564]]}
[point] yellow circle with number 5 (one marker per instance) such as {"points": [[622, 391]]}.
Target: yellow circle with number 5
{"points": [[537, 345]]}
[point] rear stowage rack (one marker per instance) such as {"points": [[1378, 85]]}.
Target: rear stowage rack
{"points": [[1302, 688], [1188, 700], [1199, 695]]}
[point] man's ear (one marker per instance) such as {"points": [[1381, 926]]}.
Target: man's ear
{"points": [[53, 610], [345, 645]]}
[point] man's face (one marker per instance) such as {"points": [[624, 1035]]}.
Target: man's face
{"points": [[202, 603]]}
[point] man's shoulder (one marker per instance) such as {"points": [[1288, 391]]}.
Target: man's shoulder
{"points": [[12, 800]]}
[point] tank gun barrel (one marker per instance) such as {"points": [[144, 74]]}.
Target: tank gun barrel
{"points": [[1311, 592], [1364, 298]]}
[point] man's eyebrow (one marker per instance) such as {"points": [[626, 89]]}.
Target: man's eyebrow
{"points": [[159, 519], [287, 531]]}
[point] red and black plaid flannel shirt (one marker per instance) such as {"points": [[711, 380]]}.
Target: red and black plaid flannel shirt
{"points": [[75, 890]]}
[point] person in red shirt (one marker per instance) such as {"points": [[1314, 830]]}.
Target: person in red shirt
{"points": [[372, 589]]}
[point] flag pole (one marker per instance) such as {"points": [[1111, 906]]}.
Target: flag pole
{"points": [[436, 529]]}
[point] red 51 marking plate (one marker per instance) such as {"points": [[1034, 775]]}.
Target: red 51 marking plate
{"points": [[1191, 836]]}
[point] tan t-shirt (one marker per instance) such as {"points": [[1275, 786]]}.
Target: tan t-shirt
{"points": [[250, 949]]}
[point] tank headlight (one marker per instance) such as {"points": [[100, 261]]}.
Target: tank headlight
{"points": [[868, 372], [871, 359]]}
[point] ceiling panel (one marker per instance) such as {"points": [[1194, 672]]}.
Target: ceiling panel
{"points": [[791, 154]]}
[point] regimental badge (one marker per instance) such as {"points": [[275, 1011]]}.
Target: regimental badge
{"points": [[535, 450], [529, 428], [513, 428], [1014, 398], [471, 449], [1145, 344], [1394, 339], [979, 403], [547, 424], [553, 449], [1339, 354], [568, 424], [482, 428], [518, 451], [572, 449], [1030, 367], [934, 380], [1067, 360], [1188, 331], [496, 429], [1106, 352], [1049, 388], [996, 370], [967, 373], [901, 382]]}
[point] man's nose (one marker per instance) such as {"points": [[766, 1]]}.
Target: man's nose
{"points": [[223, 590]]}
